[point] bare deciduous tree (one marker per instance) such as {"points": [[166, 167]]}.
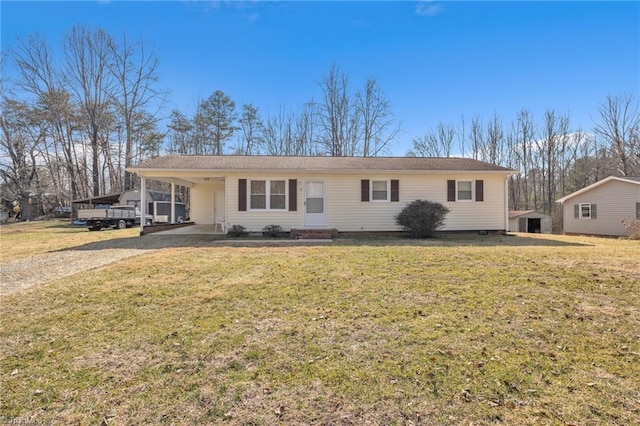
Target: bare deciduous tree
{"points": [[40, 77], [379, 127], [437, 142], [277, 135], [87, 56], [134, 92], [337, 114], [619, 127], [20, 134]]}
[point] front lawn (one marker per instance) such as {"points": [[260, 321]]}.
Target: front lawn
{"points": [[458, 330]]}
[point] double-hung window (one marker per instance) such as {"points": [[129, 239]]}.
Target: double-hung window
{"points": [[277, 194], [465, 190], [379, 190], [268, 195], [585, 211]]}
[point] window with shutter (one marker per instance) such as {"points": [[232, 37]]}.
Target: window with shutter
{"points": [[263, 194], [585, 211], [465, 191], [379, 190]]}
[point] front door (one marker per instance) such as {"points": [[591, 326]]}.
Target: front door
{"points": [[315, 213]]}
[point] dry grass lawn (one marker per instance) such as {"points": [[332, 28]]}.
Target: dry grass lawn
{"points": [[458, 330]]}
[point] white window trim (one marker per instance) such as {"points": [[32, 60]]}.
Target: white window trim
{"points": [[268, 195], [388, 200], [473, 191], [580, 216]]}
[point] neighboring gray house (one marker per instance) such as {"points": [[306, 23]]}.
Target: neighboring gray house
{"points": [[529, 221], [599, 209]]}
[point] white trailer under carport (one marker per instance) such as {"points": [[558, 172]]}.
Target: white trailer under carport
{"points": [[158, 205]]}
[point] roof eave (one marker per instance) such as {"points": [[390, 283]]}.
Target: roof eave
{"points": [[138, 170], [594, 185]]}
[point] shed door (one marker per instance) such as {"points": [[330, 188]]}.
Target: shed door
{"points": [[315, 213], [533, 226], [522, 224]]}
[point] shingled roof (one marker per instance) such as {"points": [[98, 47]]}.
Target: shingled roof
{"points": [[313, 164]]}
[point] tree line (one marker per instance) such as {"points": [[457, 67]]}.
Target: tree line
{"points": [[343, 123], [75, 117], [553, 158]]}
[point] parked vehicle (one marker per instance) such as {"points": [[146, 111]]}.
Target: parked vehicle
{"points": [[62, 211], [161, 211], [119, 217], [157, 208]]}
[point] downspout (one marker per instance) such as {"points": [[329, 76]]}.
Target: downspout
{"points": [[173, 202], [143, 203], [506, 203], [226, 204]]}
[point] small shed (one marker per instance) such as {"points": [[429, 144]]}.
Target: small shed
{"points": [[529, 221]]}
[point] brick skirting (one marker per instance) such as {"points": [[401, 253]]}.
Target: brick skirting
{"points": [[314, 234]]}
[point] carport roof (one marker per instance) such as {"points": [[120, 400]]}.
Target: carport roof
{"points": [[101, 199]]}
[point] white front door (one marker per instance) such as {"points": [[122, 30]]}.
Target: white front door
{"points": [[315, 209]]}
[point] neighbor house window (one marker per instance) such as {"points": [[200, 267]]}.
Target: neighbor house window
{"points": [[379, 190], [465, 191], [585, 211], [268, 195]]}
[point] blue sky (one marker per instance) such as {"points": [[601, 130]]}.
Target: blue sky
{"points": [[436, 61]]}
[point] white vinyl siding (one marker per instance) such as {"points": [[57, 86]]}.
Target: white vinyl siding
{"points": [[347, 213], [615, 200]]}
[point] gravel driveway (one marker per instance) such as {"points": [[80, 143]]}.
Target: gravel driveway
{"points": [[47, 267], [43, 268]]}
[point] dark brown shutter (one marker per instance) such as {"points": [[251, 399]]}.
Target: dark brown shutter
{"points": [[451, 190], [638, 211], [395, 190], [576, 211], [479, 190], [364, 190], [242, 195], [293, 195]]}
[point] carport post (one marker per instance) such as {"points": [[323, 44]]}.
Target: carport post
{"points": [[143, 203], [173, 202]]}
